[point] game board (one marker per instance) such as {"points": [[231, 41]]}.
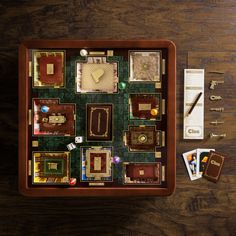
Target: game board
{"points": [[97, 118]]}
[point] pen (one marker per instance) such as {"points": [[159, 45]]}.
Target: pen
{"points": [[194, 104]]}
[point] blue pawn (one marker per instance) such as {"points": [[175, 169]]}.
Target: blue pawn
{"points": [[44, 109]]}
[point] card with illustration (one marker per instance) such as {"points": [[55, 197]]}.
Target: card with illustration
{"points": [[190, 160], [202, 158]]}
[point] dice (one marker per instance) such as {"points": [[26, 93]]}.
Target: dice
{"points": [[78, 139], [71, 146]]}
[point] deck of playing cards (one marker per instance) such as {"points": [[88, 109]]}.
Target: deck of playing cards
{"points": [[196, 161], [214, 166]]}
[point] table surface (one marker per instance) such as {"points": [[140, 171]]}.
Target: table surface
{"points": [[204, 33]]}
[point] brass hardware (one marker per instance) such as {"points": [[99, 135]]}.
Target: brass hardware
{"points": [[157, 154], [163, 176], [30, 68], [163, 138], [142, 138], [219, 109], [212, 135], [30, 168], [30, 117], [158, 85], [110, 53], [163, 106], [96, 53], [216, 122], [215, 98], [163, 66], [216, 72], [213, 83], [35, 143]]}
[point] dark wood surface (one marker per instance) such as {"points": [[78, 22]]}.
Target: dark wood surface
{"points": [[196, 208]]}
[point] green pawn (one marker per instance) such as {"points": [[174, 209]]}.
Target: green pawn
{"points": [[122, 85]]}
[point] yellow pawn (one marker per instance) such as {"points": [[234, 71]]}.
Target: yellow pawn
{"points": [[154, 112]]}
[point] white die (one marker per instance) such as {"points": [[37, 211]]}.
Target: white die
{"points": [[71, 146], [78, 139]]}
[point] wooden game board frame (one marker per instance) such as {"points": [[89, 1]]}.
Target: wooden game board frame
{"points": [[24, 138]]}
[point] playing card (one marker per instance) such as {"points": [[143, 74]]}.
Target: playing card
{"points": [[202, 158], [190, 160]]}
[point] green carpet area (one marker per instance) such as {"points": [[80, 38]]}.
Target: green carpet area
{"points": [[120, 117]]}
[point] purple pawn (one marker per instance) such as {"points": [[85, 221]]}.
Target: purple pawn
{"points": [[116, 160]]}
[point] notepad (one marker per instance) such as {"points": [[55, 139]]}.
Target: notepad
{"points": [[194, 122]]}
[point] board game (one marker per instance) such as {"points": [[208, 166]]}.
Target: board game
{"points": [[97, 118]]}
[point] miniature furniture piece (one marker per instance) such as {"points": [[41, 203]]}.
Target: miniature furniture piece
{"points": [[97, 118]]}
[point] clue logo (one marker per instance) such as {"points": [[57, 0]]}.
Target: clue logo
{"points": [[193, 131]]}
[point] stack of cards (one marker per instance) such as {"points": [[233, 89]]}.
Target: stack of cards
{"points": [[196, 161]]}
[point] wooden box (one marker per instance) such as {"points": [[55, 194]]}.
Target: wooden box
{"points": [[128, 64]]}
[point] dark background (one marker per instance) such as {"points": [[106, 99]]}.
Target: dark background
{"points": [[197, 208]]}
